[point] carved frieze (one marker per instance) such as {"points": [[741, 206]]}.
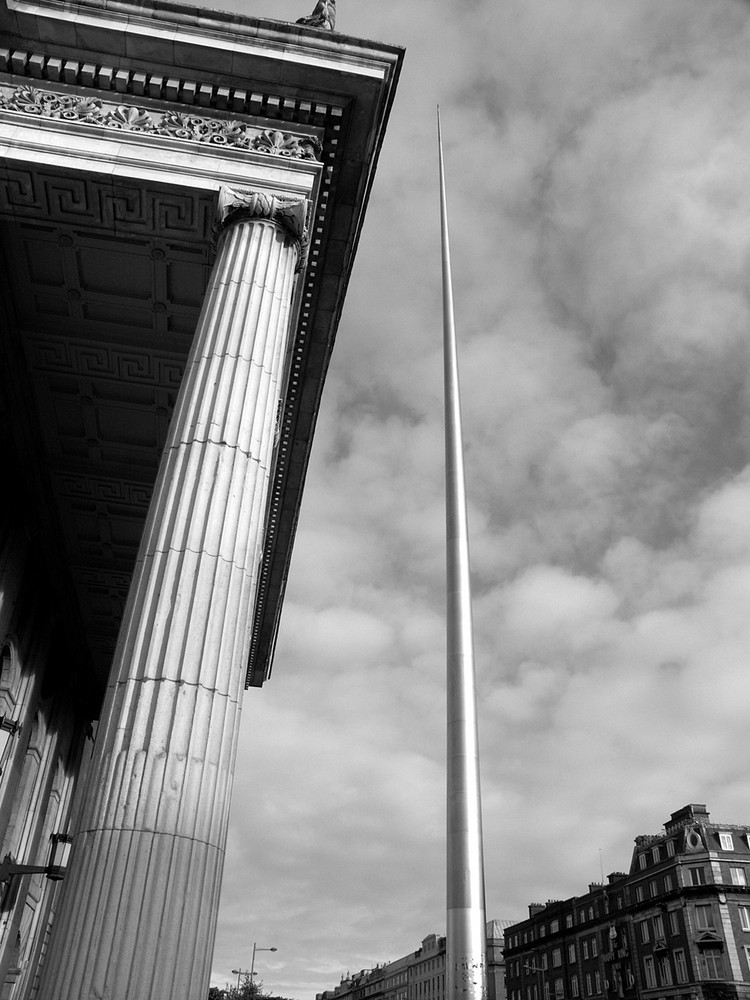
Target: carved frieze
{"points": [[173, 124]]}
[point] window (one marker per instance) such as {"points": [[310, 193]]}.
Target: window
{"points": [[544, 961], [591, 913], [642, 861], [670, 848], [597, 982], [738, 876], [558, 989], [704, 916], [712, 963], [665, 971], [745, 918], [585, 949], [554, 927], [668, 883], [589, 989], [652, 890], [697, 876], [569, 920], [556, 958], [594, 946], [725, 839], [655, 855], [546, 990], [639, 894], [542, 931], [571, 953], [680, 966], [574, 986], [674, 922], [648, 964], [644, 931], [658, 926]]}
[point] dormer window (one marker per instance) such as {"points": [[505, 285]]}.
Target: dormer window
{"points": [[726, 841], [642, 861]]}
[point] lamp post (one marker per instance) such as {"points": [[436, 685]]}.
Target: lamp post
{"points": [[252, 963], [238, 973]]}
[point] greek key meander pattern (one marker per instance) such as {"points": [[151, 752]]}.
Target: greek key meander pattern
{"points": [[115, 205], [87, 361], [77, 109]]}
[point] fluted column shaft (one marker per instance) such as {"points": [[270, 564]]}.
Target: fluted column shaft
{"points": [[138, 916]]}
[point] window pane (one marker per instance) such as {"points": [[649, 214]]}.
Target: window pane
{"points": [[712, 964], [680, 966], [697, 876], [648, 964], [738, 876]]}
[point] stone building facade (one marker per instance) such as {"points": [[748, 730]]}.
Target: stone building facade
{"points": [[420, 975], [676, 926], [181, 197]]}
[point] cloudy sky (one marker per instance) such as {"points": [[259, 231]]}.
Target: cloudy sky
{"points": [[598, 158]]}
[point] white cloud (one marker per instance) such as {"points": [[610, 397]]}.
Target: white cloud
{"points": [[597, 162]]}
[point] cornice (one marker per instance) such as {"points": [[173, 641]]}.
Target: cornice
{"points": [[186, 23], [200, 92], [72, 110]]}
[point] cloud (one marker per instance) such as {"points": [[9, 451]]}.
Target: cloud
{"points": [[597, 160]]}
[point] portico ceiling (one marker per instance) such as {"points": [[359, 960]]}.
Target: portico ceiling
{"points": [[103, 326]]}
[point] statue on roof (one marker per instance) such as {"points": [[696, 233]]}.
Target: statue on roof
{"points": [[324, 15]]}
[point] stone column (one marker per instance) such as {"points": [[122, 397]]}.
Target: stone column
{"points": [[138, 915]]}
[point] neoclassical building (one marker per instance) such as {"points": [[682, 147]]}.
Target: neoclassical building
{"points": [[181, 196]]}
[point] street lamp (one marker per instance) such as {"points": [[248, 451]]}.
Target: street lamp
{"points": [[59, 853], [256, 948], [238, 973], [8, 729]]}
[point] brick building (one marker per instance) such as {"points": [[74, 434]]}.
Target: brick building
{"points": [[675, 927]]}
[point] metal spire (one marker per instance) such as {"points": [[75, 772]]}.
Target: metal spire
{"points": [[466, 947]]}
